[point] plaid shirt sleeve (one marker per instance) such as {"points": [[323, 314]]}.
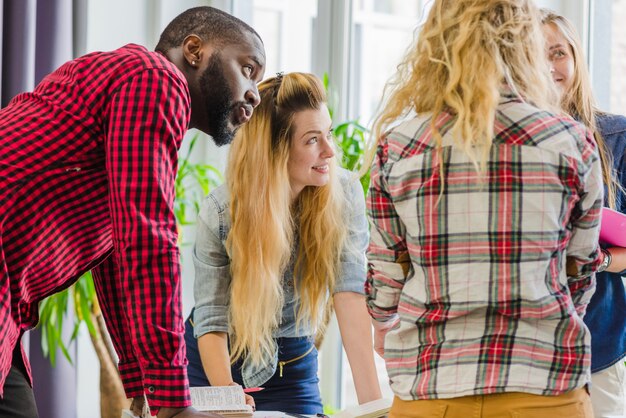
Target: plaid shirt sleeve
{"points": [[388, 258], [140, 285], [583, 252]]}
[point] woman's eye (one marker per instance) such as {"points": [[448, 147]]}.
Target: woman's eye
{"points": [[312, 140]]}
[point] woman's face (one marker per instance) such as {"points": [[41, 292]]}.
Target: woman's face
{"points": [[312, 147], [560, 56]]}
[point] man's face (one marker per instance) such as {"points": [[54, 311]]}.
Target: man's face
{"points": [[228, 88]]}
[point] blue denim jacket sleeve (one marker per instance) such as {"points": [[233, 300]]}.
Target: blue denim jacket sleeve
{"points": [[212, 267], [353, 264], [605, 314], [613, 130]]}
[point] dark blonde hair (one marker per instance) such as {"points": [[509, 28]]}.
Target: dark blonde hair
{"points": [[465, 53], [264, 221], [579, 102]]}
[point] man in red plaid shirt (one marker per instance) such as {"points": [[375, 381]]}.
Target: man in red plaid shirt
{"points": [[87, 168]]}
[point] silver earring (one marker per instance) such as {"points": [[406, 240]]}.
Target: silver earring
{"points": [[193, 63]]}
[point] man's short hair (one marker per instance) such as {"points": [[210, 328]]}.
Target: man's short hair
{"points": [[210, 24]]}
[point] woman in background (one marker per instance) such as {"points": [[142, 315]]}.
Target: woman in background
{"points": [[606, 313], [485, 207], [284, 234]]}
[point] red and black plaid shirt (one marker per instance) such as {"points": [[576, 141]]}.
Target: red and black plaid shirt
{"points": [[87, 168]]}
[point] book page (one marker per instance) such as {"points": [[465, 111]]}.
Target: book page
{"points": [[219, 398], [227, 400], [372, 409]]}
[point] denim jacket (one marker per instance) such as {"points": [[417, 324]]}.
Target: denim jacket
{"points": [[606, 313], [212, 265]]}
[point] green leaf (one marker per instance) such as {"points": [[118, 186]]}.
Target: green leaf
{"points": [[86, 307], [66, 354]]}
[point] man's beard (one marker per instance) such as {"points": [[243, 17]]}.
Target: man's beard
{"points": [[218, 101]]}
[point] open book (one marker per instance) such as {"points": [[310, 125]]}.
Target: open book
{"points": [[373, 409], [229, 401]]}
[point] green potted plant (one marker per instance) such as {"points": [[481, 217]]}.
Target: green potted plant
{"points": [[351, 138]]}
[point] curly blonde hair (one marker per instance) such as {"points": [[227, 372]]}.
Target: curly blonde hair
{"points": [[464, 54]]}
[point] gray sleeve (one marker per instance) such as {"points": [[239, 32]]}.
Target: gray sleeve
{"points": [[212, 279], [353, 264]]}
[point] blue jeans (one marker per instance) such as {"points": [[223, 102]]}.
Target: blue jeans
{"points": [[295, 391]]}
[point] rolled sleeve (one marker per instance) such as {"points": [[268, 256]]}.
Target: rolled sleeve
{"points": [[212, 267], [387, 252], [583, 252], [353, 262]]}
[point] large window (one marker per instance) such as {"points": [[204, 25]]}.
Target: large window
{"points": [[618, 58], [286, 28], [382, 31]]}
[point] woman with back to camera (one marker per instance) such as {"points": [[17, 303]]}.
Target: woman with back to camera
{"points": [[285, 233], [485, 205], [606, 314]]}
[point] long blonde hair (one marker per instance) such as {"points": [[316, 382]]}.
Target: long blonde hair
{"points": [[579, 102], [465, 52], [268, 229]]}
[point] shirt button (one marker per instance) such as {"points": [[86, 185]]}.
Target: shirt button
{"points": [[151, 389]]}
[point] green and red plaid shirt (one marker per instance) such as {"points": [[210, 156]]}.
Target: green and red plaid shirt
{"points": [[477, 274]]}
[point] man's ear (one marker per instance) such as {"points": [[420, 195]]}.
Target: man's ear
{"points": [[193, 50]]}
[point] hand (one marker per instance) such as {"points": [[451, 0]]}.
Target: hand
{"points": [[137, 405], [188, 412], [380, 331], [379, 341], [250, 401], [618, 259]]}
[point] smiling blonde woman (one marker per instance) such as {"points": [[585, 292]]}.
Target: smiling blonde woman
{"points": [[284, 235], [605, 316]]}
